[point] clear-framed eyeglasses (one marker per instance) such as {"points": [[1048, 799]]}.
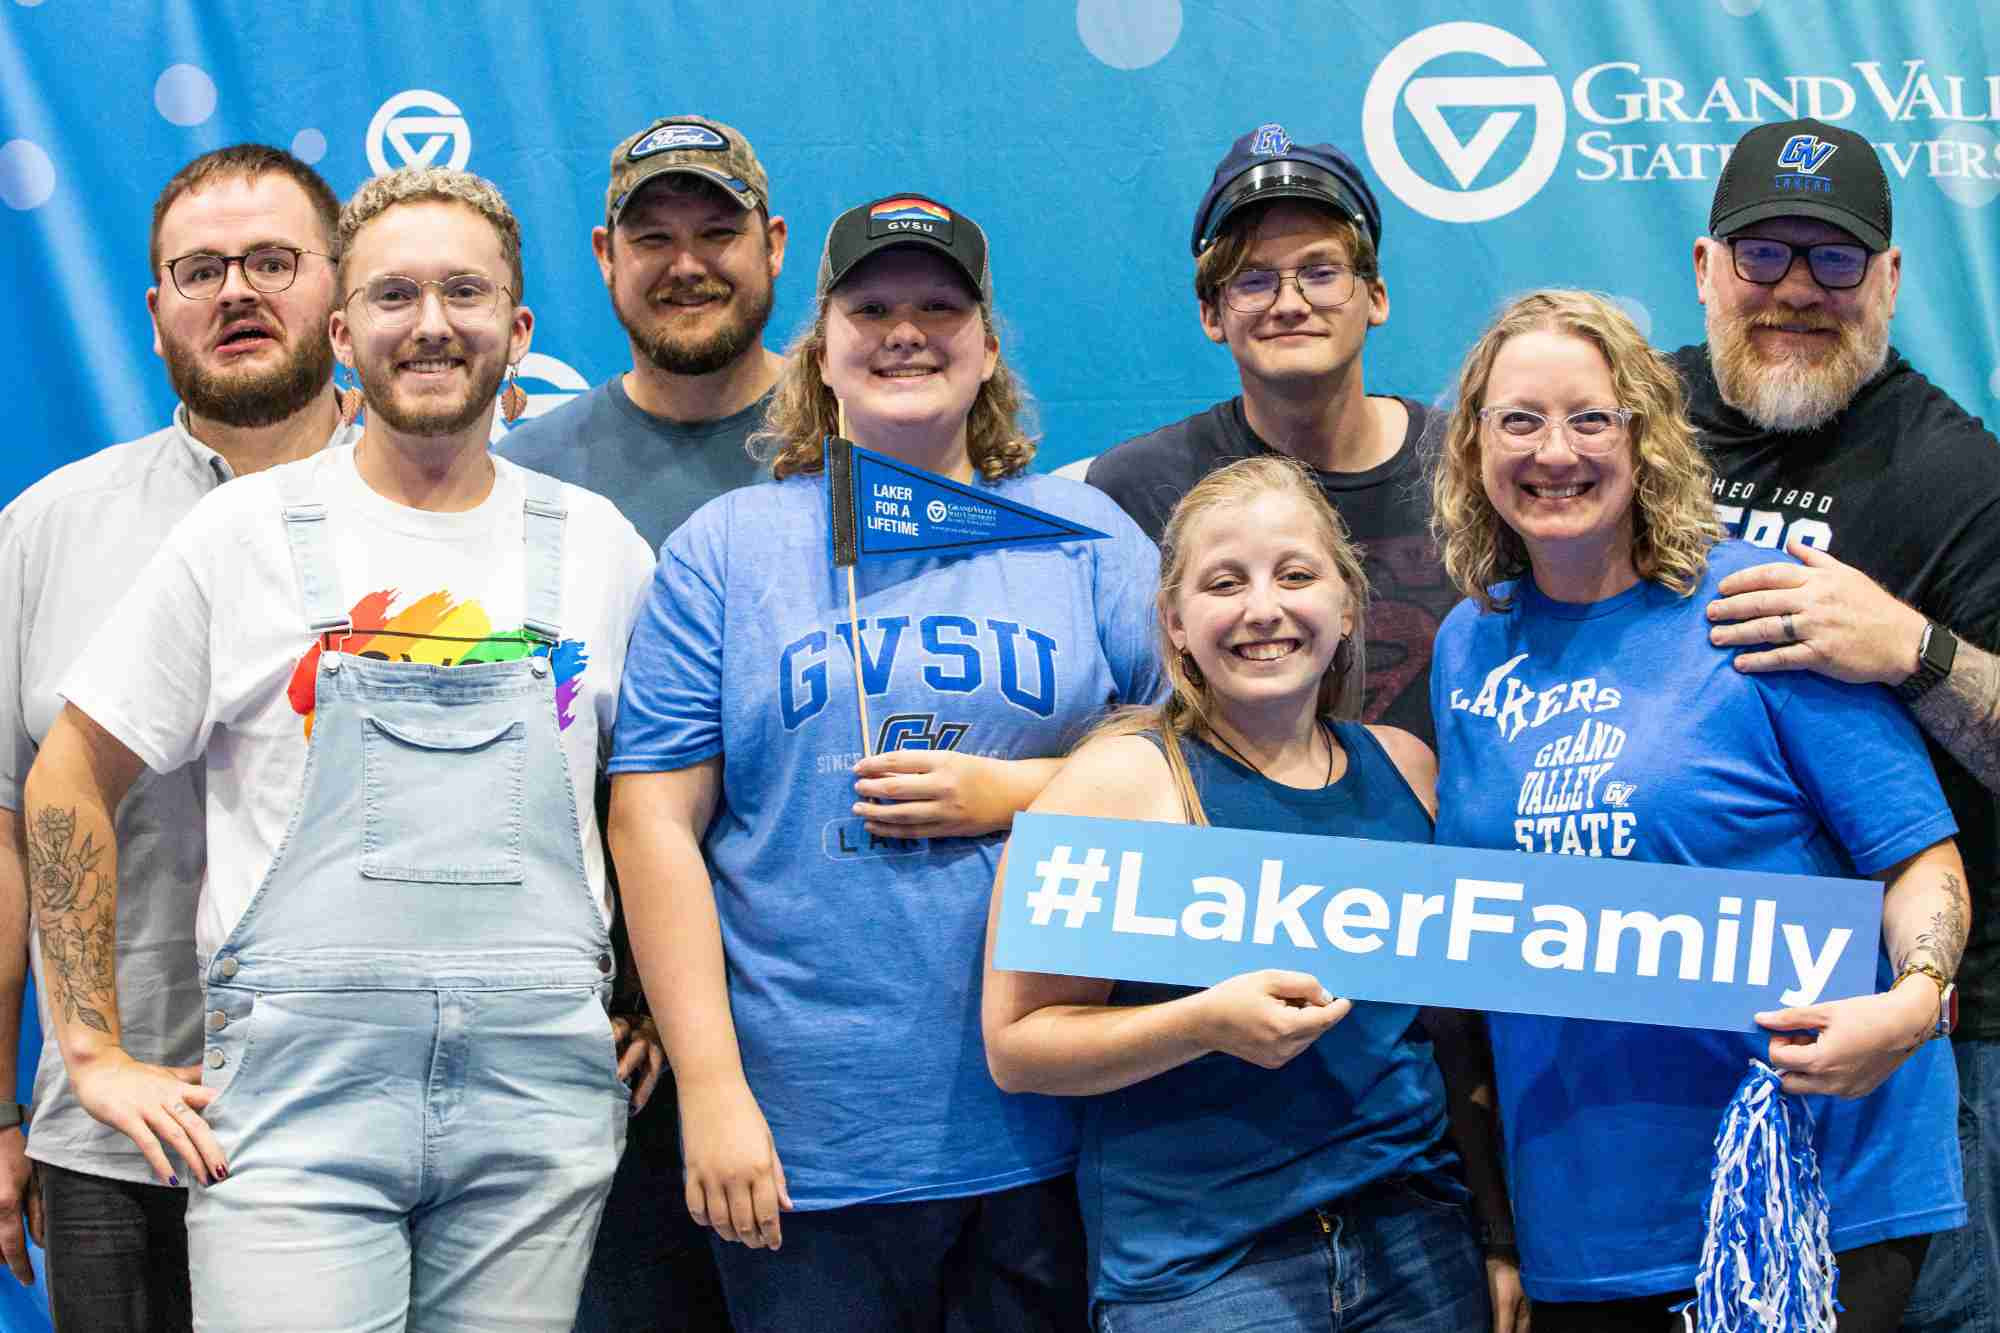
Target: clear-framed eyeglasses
{"points": [[394, 298], [1321, 286], [269, 269], [1589, 430]]}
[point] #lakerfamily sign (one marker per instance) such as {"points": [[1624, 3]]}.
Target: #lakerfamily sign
{"points": [[1570, 936]]}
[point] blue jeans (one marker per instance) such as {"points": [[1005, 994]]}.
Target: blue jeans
{"points": [[1959, 1288], [1010, 1262], [1394, 1260]]}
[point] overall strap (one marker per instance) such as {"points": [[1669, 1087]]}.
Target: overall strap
{"points": [[312, 551], [542, 519]]}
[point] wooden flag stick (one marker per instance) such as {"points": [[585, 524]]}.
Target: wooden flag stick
{"points": [[854, 624]]}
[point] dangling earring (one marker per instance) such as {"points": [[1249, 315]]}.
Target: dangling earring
{"points": [[1343, 654], [348, 399], [513, 398]]}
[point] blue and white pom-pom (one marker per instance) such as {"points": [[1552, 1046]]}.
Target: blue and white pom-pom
{"points": [[1766, 1258]]}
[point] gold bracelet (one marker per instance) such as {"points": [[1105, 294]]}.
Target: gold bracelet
{"points": [[1936, 974]]}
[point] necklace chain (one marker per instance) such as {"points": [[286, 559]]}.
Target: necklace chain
{"points": [[1244, 760]]}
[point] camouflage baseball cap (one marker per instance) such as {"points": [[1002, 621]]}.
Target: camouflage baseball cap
{"points": [[695, 145]]}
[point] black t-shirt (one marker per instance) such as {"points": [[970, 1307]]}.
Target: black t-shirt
{"points": [[1905, 486], [1388, 511]]}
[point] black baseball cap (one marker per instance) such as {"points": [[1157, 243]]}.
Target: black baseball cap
{"points": [[1265, 164], [1804, 169], [905, 219]]}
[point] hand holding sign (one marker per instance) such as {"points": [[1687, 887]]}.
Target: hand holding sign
{"points": [[1846, 1048], [1267, 1017]]}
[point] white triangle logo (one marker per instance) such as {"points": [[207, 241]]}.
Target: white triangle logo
{"points": [[1427, 99]]}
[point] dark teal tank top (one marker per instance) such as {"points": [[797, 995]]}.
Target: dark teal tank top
{"points": [[1178, 1175]]}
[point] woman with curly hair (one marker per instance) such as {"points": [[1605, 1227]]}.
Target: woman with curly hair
{"points": [[808, 927], [1582, 711]]}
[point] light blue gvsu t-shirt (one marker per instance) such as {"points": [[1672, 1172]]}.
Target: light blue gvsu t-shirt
{"points": [[1614, 728], [855, 961]]}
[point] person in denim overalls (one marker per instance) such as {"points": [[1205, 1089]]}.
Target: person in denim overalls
{"points": [[409, 1105]]}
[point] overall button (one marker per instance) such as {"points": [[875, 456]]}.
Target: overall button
{"points": [[217, 1020], [539, 665], [329, 663], [216, 1059], [228, 967], [604, 963]]}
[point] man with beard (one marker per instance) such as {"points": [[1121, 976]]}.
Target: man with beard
{"points": [[242, 253], [394, 666], [689, 252], [1829, 444]]}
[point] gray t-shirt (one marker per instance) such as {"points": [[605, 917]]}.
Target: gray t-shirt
{"points": [[70, 545], [657, 471]]}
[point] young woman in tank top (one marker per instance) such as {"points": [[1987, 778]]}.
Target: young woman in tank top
{"points": [[1261, 1154]]}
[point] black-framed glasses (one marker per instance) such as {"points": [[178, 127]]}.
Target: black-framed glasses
{"points": [[1590, 430], [1835, 265], [395, 298], [1321, 286], [269, 269]]}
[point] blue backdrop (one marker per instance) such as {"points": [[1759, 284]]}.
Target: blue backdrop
{"points": [[1542, 144]]}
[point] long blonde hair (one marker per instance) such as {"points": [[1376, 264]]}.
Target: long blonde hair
{"points": [[1674, 520], [803, 412], [1186, 712]]}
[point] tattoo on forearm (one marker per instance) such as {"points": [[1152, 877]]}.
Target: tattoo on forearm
{"points": [[1962, 712], [75, 912], [1942, 944]]}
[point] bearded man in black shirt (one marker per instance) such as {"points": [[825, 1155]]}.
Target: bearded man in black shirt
{"points": [[1287, 278], [1827, 443]]}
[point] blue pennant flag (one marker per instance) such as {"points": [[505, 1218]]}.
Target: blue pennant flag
{"points": [[883, 509]]}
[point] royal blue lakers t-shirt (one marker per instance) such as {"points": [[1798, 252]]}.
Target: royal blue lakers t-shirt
{"points": [[1615, 729]]}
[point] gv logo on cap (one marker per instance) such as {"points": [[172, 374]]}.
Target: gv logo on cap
{"points": [[1805, 152], [1394, 84], [1272, 141], [392, 129]]}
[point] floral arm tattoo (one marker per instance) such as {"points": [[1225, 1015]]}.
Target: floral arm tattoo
{"points": [[1942, 943], [1962, 713], [71, 888]]}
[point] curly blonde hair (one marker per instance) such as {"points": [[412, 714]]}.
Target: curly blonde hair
{"points": [[803, 412], [1674, 520], [421, 185], [1187, 711]]}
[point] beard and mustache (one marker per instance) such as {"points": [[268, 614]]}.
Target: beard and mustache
{"points": [[428, 416], [1790, 391], [251, 398], [678, 354]]}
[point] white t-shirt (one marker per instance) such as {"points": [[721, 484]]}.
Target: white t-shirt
{"points": [[201, 659]]}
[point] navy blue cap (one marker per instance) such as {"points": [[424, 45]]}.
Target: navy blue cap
{"points": [[1265, 164]]}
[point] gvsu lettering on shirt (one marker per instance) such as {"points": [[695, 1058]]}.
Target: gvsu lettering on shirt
{"points": [[940, 654], [1417, 924]]}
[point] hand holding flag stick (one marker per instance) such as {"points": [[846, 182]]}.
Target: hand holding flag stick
{"points": [[840, 489]]}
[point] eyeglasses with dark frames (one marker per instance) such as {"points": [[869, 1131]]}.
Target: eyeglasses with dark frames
{"points": [[1765, 261], [269, 269]]}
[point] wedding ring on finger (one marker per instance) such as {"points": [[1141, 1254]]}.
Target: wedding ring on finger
{"points": [[1791, 630]]}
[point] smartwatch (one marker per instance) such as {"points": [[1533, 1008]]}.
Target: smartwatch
{"points": [[1935, 653]]}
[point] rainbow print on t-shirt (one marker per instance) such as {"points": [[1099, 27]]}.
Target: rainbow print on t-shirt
{"points": [[436, 630]]}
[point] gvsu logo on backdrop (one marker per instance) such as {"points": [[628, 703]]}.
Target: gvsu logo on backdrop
{"points": [[1396, 84], [418, 140], [535, 366]]}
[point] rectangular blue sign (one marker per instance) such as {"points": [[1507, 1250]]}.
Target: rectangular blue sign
{"points": [[1464, 928]]}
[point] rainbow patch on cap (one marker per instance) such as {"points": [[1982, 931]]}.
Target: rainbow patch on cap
{"points": [[909, 210]]}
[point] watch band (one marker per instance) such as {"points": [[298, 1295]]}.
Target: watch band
{"points": [[12, 1114], [1936, 651]]}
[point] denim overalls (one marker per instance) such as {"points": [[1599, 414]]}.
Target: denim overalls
{"points": [[418, 1091]]}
